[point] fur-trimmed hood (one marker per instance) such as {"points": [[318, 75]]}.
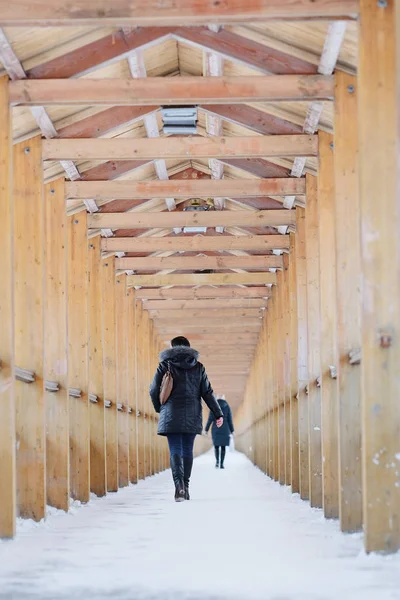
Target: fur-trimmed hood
{"points": [[182, 357]]}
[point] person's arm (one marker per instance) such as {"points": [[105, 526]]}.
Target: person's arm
{"points": [[207, 394], [229, 419], [210, 420], [155, 387]]}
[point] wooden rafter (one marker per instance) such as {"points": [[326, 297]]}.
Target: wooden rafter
{"points": [[169, 91], [182, 12]]}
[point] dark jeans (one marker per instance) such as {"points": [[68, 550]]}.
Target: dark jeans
{"points": [[181, 443], [217, 454]]}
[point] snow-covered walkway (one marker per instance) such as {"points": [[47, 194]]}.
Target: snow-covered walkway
{"points": [[241, 537]]}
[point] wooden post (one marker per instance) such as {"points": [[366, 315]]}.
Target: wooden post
{"points": [[122, 380], [328, 352], [287, 366], [78, 356], [109, 371], [29, 271], [314, 340], [302, 355], [348, 296], [294, 385], [98, 481], [56, 346], [7, 382], [139, 388], [133, 472], [380, 246], [281, 376]]}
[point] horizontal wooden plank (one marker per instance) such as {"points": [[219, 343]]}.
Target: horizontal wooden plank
{"points": [[184, 188], [201, 279], [193, 313], [171, 90], [210, 293], [217, 218], [189, 263], [180, 12], [249, 325], [266, 146], [197, 243], [207, 304]]}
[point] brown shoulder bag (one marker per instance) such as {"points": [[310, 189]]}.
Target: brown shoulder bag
{"points": [[166, 386]]}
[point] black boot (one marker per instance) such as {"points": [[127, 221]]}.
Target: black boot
{"points": [[222, 457], [187, 471], [177, 475], [216, 450]]}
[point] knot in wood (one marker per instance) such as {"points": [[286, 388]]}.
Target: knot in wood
{"points": [[385, 340]]}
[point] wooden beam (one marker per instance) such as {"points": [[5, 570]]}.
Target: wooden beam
{"points": [[314, 339], [98, 482], [7, 379], [192, 147], [226, 218], [55, 347], [78, 356], [201, 279], [248, 325], [188, 263], [378, 87], [230, 188], [348, 300], [29, 289], [211, 314], [110, 370], [213, 294], [171, 90], [183, 12], [197, 243], [208, 304]]}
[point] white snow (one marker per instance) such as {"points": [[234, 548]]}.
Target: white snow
{"points": [[241, 537]]}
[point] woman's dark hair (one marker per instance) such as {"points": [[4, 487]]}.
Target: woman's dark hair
{"points": [[180, 341]]}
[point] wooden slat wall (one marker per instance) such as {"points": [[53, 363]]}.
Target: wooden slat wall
{"points": [[29, 290], [110, 370], [78, 356], [98, 481], [56, 346], [7, 384], [122, 379]]}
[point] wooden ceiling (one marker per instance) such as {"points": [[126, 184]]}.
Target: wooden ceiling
{"points": [[135, 184]]}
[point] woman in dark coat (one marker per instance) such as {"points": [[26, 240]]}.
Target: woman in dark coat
{"points": [[220, 436], [181, 416]]}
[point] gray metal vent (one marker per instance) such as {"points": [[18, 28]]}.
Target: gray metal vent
{"points": [[179, 120]]}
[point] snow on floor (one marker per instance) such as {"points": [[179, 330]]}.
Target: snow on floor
{"points": [[241, 537]]}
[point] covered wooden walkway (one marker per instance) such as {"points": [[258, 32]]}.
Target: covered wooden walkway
{"points": [[227, 171]]}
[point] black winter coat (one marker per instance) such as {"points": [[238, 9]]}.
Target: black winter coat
{"points": [[182, 413], [220, 436]]}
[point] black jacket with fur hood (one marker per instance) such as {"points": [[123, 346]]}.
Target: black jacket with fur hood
{"points": [[182, 413]]}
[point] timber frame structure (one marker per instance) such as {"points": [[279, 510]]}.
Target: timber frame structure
{"points": [[291, 291]]}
